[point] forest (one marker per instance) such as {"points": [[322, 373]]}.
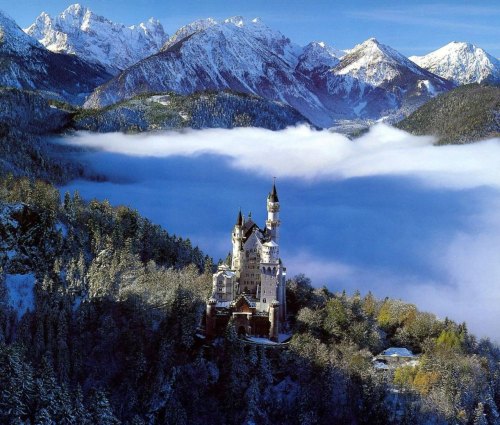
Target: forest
{"points": [[113, 335]]}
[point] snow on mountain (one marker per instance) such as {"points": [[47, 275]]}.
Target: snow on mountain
{"points": [[368, 82], [12, 39], [26, 64], [375, 64], [320, 55], [462, 63], [373, 80], [79, 31], [187, 30], [244, 56]]}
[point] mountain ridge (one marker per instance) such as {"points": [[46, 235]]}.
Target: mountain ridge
{"points": [[462, 63], [249, 57], [26, 64], [77, 30]]}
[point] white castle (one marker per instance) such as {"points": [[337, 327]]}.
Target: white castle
{"points": [[252, 291]]}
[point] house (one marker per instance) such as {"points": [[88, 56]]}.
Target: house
{"points": [[393, 357]]}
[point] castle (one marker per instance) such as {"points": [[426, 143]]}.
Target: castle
{"points": [[252, 291]]}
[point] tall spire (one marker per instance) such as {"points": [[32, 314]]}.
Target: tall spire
{"points": [[239, 221], [273, 196]]}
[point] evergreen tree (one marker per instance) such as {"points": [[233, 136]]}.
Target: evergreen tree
{"points": [[101, 411]]}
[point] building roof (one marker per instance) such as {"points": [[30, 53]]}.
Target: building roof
{"points": [[239, 220], [244, 298], [273, 195], [397, 352], [271, 243]]}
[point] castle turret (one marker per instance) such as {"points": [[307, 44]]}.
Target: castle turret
{"points": [[273, 212], [274, 320], [210, 325], [237, 238]]}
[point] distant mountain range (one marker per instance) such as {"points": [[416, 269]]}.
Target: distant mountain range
{"points": [[95, 39], [26, 64], [79, 56], [369, 82]]}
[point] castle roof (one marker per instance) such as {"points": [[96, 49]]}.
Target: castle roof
{"points": [[273, 196], [248, 228], [244, 299], [271, 243]]}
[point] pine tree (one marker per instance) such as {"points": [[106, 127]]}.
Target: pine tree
{"points": [[15, 386], [43, 418], [101, 411], [80, 412]]}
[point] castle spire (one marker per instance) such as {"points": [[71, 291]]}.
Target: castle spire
{"points": [[273, 196], [273, 208], [239, 220]]}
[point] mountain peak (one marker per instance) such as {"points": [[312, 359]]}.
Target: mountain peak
{"points": [[461, 62], [187, 30], [371, 41], [76, 10], [238, 21], [318, 55], [77, 30]]}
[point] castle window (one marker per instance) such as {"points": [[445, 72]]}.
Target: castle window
{"points": [[264, 300]]}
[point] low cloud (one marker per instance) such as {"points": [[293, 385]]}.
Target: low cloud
{"points": [[301, 152], [388, 212]]}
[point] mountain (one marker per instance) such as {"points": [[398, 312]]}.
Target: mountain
{"points": [[325, 85], [466, 114], [198, 110], [373, 80], [79, 31], [318, 56], [26, 64], [462, 63], [243, 56]]}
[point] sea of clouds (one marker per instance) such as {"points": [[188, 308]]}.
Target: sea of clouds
{"points": [[388, 212]]}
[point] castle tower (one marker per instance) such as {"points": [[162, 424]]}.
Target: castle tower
{"points": [[273, 213], [237, 238], [210, 326], [274, 320]]}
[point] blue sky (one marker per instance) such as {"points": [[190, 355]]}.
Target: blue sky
{"points": [[412, 27]]}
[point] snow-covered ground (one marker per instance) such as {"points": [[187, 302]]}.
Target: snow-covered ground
{"points": [[20, 292], [266, 341]]}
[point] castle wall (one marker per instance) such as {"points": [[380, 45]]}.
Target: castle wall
{"points": [[249, 276]]}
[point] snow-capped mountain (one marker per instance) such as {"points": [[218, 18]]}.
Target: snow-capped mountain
{"points": [[95, 39], [370, 81], [26, 64], [244, 56], [373, 80], [462, 63], [317, 56]]}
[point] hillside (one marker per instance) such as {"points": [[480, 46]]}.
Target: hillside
{"points": [[99, 322], [464, 115], [27, 120], [199, 110]]}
